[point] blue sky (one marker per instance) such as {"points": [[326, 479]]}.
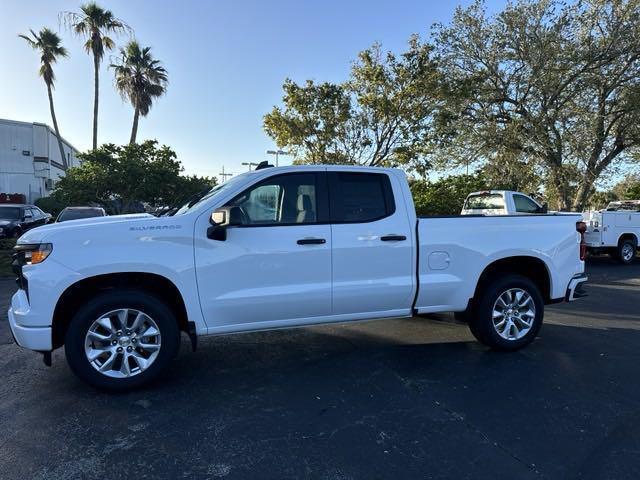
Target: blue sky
{"points": [[226, 61]]}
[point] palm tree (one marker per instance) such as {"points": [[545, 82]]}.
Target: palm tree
{"points": [[48, 43], [95, 23], [139, 78]]}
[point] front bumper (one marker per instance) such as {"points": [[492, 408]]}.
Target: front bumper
{"points": [[31, 337], [575, 288]]}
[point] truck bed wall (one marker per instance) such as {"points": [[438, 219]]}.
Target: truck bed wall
{"points": [[454, 251]]}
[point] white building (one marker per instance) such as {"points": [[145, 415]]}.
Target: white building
{"points": [[30, 162]]}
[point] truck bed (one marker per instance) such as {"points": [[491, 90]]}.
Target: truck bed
{"points": [[453, 249]]}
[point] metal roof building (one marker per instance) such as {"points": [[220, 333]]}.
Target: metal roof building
{"points": [[30, 162]]}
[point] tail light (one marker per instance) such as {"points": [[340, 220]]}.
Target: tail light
{"points": [[581, 227]]}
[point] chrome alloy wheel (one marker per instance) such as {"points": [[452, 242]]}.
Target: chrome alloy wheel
{"points": [[513, 314], [628, 252], [122, 343]]}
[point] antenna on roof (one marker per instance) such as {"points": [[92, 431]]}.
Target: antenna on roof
{"points": [[263, 164]]}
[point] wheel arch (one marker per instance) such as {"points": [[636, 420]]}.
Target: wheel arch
{"points": [[530, 267], [152, 283], [628, 236]]}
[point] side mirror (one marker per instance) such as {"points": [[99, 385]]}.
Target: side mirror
{"points": [[221, 219], [544, 208], [27, 216]]}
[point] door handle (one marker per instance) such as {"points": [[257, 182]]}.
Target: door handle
{"points": [[393, 238], [311, 241]]}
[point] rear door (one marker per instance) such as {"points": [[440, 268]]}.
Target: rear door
{"points": [[372, 269]]}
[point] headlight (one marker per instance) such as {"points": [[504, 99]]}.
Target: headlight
{"points": [[32, 254]]}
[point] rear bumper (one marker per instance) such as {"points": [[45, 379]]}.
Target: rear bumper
{"points": [[575, 288], [33, 338]]}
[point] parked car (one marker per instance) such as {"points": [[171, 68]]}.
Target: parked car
{"points": [[15, 219], [501, 202], [343, 245], [75, 213], [614, 230]]}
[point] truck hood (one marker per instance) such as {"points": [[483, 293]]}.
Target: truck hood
{"points": [[40, 234]]}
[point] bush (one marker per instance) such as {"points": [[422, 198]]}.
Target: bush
{"points": [[51, 205], [446, 195]]}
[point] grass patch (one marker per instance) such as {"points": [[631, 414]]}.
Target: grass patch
{"points": [[6, 250]]}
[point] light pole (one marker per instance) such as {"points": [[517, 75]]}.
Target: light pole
{"points": [[250, 164], [277, 153]]}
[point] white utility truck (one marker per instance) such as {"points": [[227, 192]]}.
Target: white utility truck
{"points": [[501, 202], [281, 247], [614, 230]]}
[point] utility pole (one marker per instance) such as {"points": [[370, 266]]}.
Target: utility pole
{"points": [[224, 175], [277, 153]]}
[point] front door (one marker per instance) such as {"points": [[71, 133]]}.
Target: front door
{"points": [[275, 267]]}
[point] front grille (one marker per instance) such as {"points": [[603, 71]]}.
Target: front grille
{"points": [[16, 266]]}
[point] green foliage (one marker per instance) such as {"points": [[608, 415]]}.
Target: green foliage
{"points": [[382, 115], [446, 195], [139, 78], [547, 82], [49, 44], [6, 252], [52, 204], [118, 177]]}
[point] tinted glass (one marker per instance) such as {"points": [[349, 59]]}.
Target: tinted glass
{"points": [[280, 200], [360, 197], [524, 204], [481, 202], [76, 214], [10, 213]]}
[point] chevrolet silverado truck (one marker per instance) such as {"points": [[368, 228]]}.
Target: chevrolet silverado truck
{"points": [[275, 248]]}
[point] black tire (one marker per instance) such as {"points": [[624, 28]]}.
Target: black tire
{"points": [[622, 253], [481, 322], [113, 300]]}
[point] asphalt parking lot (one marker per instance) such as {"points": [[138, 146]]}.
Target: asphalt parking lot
{"points": [[415, 398]]}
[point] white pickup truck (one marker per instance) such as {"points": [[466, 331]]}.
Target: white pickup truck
{"points": [[281, 247], [614, 230], [501, 202]]}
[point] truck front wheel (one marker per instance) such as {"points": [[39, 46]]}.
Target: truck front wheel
{"points": [[120, 340], [508, 314]]}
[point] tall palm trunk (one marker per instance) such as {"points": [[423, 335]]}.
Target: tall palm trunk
{"points": [[55, 127], [134, 129], [96, 89]]}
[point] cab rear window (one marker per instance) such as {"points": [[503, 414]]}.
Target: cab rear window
{"points": [[491, 201]]}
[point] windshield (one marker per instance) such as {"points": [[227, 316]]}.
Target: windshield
{"points": [[629, 205], [198, 199], [493, 201], [80, 213], [10, 213]]}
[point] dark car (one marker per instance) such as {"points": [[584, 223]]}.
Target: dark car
{"points": [[75, 213], [15, 219]]}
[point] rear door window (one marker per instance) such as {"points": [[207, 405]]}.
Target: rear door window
{"points": [[525, 204], [358, 197]]}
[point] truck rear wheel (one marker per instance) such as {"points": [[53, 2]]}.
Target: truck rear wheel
{"points": [[121, 340], [508, 314], [627, 251]]}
